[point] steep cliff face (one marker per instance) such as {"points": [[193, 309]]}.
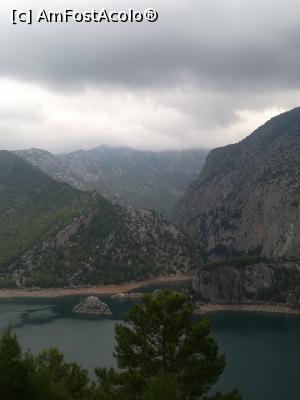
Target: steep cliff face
{"points": [[263, 282], [246, 199]]}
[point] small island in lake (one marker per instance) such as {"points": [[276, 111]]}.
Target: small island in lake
{"points": [[92, 305]]}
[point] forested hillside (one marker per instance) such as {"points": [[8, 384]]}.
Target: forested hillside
{"points": [[55, 235]]}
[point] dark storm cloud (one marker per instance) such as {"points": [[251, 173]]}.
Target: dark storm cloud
{"points": [[209, 42], [204, 74]]}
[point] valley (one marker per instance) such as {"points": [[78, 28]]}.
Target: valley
{"points": [[236, 228]]}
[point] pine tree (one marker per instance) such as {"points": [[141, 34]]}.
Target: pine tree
{"points": [[44, 377], [16, 369], [159, 340], [163, 387]]}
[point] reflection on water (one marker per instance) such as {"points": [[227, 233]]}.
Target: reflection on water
{"points": [[262, 350], [41, 323], [22, 311], [17, 314]]}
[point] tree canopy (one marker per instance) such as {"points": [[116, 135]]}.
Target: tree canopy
{"points": [[162, 354], [161, 343], [46, 376]]}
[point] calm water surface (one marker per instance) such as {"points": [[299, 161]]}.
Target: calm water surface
{"points": [[263, 350]]}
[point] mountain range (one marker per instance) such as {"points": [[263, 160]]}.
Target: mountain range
{"points": [[53, 234], [69, 219], [142, 179]]}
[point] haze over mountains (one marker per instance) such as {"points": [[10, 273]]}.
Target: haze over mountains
{"points": [[244, 203], [52, 234], [143, 179]]}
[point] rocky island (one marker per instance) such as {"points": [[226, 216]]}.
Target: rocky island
{"points": [[92, 305]]}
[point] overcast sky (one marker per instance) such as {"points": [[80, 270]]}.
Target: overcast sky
{"points": [[206, 74]]}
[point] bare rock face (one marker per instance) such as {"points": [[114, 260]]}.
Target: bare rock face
{"points": [[277, 282], [142, 179], [246, 200], [92, 305]]}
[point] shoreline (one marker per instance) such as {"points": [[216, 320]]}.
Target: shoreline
{"points": [[94, 290], [203, 309]]}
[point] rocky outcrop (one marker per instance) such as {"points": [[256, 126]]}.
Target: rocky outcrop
{"points": [[263, 282], [246, 200], [92, 305]]}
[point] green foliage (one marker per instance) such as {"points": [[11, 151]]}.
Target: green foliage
{"points": [[15, 369], [237, 262], [71, 378], [160, 345], [53, 235], [33, 206], [46, 376], [47, 279], [162, 387], [161, 353]]}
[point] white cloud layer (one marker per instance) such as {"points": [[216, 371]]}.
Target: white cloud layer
{"points": [[206, 74]]}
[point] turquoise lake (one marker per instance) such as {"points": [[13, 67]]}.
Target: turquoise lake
{"points": [[263, 350]]}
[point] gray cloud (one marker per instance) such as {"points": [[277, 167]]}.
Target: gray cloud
{"points": [[204, 75], [225, 44]]}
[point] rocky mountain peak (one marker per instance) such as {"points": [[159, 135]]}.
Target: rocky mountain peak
{"points": [[246, 199]]}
